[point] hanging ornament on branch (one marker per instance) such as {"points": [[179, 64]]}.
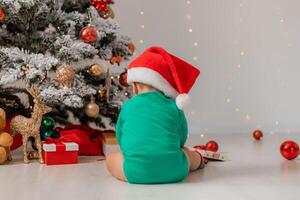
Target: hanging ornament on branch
{"points": [[88, 35], [117, 59], [92, 109], [65, 75], [101, 4], [109, 14], [2, 15], [131, 48], [95, 70]]}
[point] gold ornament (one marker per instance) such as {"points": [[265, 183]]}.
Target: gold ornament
{"points": [[30, 127], [92, 109], [101, 92], [107, 14], [65, 75], [2, 119], [95, 70], [25, 69], [6, 139]]}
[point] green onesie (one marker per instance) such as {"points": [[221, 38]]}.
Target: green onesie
{"points": [[151, 131]]}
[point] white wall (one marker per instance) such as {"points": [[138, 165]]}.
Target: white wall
{"points": [[248, 52]]}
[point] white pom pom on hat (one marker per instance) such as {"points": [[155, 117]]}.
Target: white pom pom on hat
{"points": [[164, 71]]}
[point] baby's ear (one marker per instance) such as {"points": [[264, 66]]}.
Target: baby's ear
{"points": [[135, 87]]}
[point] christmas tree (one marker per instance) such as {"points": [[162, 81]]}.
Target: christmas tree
{"points": [[64, 47]]}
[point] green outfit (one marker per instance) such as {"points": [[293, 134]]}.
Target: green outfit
{"points": [[151, 131]]}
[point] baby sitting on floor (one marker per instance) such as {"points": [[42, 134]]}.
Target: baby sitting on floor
{"points": [[152, 128]]}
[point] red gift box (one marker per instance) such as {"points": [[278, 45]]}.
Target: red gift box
{"points": [[59, 153]]}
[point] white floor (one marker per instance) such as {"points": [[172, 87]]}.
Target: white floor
{"points": [[256, 171]]}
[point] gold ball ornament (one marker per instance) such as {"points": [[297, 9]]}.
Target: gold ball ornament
{"points": [[92, 109], [6, 139], [65, 75], [3, 155], [95, 70]]}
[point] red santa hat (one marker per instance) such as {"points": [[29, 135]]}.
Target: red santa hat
{"points": [[164, 71]]}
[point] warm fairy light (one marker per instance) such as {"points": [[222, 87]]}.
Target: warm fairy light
{"points": [[242, 53], [241, 5], [118, 77], [142, 26], [248, 117], [237, 110], [202, 135], [190, 30], [189, 17], [195, 58], [111, 77], [141, 41], [281, 20], [195, 44], [142, 13], [188, 2], [276, 123], [228, 100], [238, 66]]}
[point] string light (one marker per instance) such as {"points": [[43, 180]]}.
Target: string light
{"points": [[188, 2], [190, 30], [248, 117], [281, 20], [142, 41], [228, 100], [237, 110], [142, 26], [202, 135], [242, 53], [142, 13], [195, 44], [277, 123], [238, 66], [195, 58]]}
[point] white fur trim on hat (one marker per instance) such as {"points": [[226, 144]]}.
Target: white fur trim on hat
{"points": [[151, 77], [182, 100]]}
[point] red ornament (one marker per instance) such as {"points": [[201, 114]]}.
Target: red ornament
{"points": [[101, 4], [88, 35], [200, 147], [2, 15], [289, 149], [212, 146], [258, 134], [123, 79]]}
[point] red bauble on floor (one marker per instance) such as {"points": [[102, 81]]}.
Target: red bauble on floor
{"points": [[212, 146], [289, 150], [258, 134]]}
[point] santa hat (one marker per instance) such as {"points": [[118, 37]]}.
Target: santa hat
{"points": [[164, 71]]}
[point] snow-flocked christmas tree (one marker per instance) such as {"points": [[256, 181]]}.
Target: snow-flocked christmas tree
{"points": [[66, 48]]}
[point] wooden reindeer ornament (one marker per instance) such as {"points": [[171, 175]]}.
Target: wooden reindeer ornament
{"points": [[30, 127]]}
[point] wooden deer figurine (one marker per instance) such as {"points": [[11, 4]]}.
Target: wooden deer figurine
{"points": [[30, 127]]}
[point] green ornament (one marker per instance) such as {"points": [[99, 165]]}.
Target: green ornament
{"points": [[48, 123]]}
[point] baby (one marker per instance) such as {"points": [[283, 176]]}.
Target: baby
{"points": [[152, 128]]}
